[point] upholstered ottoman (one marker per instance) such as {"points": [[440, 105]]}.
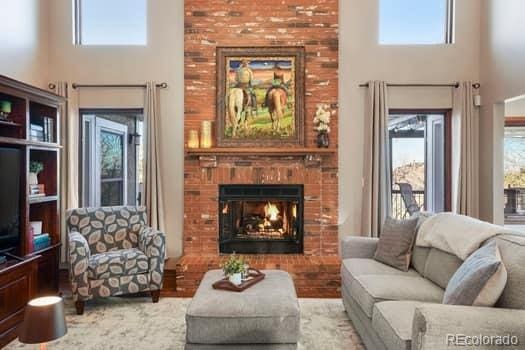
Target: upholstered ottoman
{"points": [[264, 316]]}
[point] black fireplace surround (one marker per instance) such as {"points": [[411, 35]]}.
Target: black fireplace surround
{"points": [[261, 219]]}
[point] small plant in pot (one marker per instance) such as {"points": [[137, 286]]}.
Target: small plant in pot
{"points": [[234, 269], [34, 169]]}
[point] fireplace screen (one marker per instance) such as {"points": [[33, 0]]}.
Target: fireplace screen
{"points": [[261, 219]]}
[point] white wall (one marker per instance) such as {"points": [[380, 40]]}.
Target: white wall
{"points": [[362, 59], [502, 77], [24, 29], [161, 60]]}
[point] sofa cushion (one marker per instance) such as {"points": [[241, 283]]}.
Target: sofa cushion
{"points": [[370, 289], [512, 250], [440, 266], [480, 280], [115, 263], [395, 243], [266, 313], [419, 258], [392, 321], [358, 267]]}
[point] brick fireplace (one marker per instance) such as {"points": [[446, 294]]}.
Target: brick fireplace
{"points": [[311, 24]]}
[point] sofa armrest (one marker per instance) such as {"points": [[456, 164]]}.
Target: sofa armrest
{"points": [[358, 247], [152, 242], [79, 255], [438, 326]]}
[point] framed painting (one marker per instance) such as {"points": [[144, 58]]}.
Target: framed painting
{"points": [[260, 96]]}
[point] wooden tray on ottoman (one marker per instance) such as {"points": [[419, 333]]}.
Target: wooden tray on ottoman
{"points": [[254, 276]]}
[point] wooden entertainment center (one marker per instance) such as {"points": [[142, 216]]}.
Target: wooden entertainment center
{"points": [[30, 273]]}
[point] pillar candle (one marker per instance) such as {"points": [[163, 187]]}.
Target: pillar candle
{"points": [[206, 141], [193, 139]]}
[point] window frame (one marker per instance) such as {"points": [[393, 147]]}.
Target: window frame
{"points": [[449, 24], [83, 113], [510, 122], [447, 113], [77, 27]]}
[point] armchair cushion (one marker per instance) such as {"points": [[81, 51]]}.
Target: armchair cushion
{"points": [[116, 263], [108, 228]]}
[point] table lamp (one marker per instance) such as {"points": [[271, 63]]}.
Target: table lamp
{"points": [[44, 321]]}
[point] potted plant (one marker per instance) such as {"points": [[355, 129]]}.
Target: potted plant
{"points": [[322, 122], [234, 268], [34, 169]]}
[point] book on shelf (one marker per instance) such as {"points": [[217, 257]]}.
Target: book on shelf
{"points": [[36, 132], [41, 237], [43, 129], [41, 241], [48, 129]]}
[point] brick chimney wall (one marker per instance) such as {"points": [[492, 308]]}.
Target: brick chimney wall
{"points": [[212, 23]]}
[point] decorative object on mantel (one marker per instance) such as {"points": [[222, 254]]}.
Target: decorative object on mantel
{"points": [[193, 139], [260, 96], [5, 110], [322, 122], [234, 269], [252, 277], [206, 138]]}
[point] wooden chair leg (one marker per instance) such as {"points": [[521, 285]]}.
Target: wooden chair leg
{"points": [[155, 295], [79, 305]]}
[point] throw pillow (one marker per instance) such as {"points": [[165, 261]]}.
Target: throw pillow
{"points": [[395, 242], [480, 280]]}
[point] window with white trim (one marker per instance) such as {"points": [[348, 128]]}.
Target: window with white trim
{"points": [[110, 22], [416, 22]]}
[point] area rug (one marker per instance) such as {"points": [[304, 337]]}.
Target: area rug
{"points": [[137, 323]]}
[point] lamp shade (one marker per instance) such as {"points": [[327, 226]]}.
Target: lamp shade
{"points": [[44, 321]]}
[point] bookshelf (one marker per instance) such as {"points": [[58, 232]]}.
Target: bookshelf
{"points": [[33, 127]]}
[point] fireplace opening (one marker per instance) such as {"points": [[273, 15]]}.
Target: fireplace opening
{"points": [[261, 219]]}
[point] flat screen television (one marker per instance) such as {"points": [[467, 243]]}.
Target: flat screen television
{"points": [[10, 164]]}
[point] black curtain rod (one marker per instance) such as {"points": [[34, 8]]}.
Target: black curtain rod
{"points": [[455, 85], [75, 86]]}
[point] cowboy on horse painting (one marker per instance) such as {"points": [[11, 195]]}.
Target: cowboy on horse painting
{"points": [[242, 101], [258, 93]]}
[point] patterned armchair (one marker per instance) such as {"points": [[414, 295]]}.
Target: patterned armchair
{"points": [[113, 252]]}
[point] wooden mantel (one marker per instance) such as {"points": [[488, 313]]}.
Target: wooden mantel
{"points": [[259, 151]]}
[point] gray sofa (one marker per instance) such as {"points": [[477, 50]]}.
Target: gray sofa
{"points": [[394, 310]]}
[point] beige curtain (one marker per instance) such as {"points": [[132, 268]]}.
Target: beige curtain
{"points": [[69, 138], [465, 152], [153, 194], [376, 175]]}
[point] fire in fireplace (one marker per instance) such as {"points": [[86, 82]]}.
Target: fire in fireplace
{"points": [[261, 219]]}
